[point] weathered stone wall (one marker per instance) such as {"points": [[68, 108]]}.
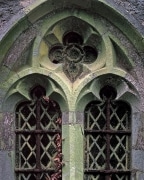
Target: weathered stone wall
{"points": [[131, 9], [11, 8], [135, 9], [19, 51]]}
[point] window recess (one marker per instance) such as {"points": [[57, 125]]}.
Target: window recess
{"points": [[38, 138], [107, 131]]}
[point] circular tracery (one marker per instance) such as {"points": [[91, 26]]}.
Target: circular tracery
{"points": [[72, 53], [90, 54], [73, 50], [72, 38], [56, 54]]}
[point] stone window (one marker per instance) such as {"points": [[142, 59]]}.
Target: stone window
{"points": [[73, 73], [38, 138], [107, 131]]}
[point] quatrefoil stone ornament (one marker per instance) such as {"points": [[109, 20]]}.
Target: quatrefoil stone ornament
{"points": [[72, 54]]}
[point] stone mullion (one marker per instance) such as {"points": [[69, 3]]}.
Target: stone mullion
{"points": [[72, 146], [65, 146]]}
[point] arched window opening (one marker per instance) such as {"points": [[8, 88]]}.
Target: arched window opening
{"points": [[107, 130], [38, 138]]}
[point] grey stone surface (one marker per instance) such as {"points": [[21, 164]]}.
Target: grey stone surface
{"points": [[19, 47], [7, 10], [6, 172], [65, 118], [10, 9], [133, 10], [79, 117], [7, 132], [136, 124], [137, 162]]}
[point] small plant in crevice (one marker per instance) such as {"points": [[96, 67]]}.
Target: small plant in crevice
{"points": [[57, 160], [57, 175]]}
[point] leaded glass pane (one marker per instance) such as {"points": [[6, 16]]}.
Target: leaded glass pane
{"points": [[26, 156], [33, 176], [26, 116], [96, 119], [48, 150], [94, 177], [96, 152], [119, 116], [103, 177], [120, 177], [107, 139], [26, 176], [119, 152], [38, 138]]}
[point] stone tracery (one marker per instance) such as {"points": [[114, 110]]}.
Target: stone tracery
{"points": [[72, 53]]}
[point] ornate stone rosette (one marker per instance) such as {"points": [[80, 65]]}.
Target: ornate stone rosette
{"points": [[72, 54]]}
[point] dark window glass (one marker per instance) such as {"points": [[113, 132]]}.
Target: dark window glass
{"points": [[107, 131], [38, 138]]}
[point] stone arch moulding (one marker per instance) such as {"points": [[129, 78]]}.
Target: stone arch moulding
{"points": [[57, 51], [125, 91], [39, 27], [20, 91], [39, 21], [25, 61], [33, 12]]}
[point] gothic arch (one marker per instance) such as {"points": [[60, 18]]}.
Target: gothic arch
{"points": [[37, 48]]}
